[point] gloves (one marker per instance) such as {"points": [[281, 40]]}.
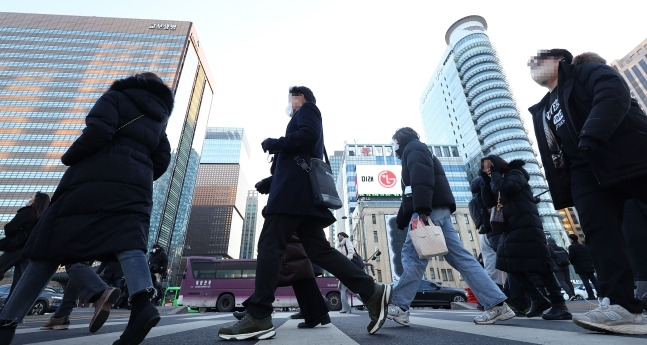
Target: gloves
{"points": [[263, 186], [494, 168], [269, 145]]}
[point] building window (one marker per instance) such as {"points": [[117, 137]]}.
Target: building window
{"points": [[443, 274], [467, 219], [450, 275], [379, 276], [432, 274], [373, 219], [374, 236], [453, 217], [470, 235], [474, 252]]}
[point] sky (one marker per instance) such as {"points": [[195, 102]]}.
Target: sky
{"points": [[367, 62]]}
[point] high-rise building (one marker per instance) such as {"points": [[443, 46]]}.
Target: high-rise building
{"points": [[217, 213], [250, 224], [633, 67], [468, 103], [370, 175], [55, 67]]}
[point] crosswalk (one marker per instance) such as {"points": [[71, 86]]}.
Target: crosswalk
{"points": [[344, 329]]}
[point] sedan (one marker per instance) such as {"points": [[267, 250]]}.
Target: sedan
{"points": [[47, 301], [431, 294]]}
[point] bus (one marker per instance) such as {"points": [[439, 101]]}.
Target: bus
{"points": [[223, 284]]}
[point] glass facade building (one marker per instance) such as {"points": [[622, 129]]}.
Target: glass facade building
{"points": [[633, 67], [468, 103], [55, 67], [250, 224], [218, 210]]}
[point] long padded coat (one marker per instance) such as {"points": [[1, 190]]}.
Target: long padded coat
{"points": [[103, 203], [522, 247]]}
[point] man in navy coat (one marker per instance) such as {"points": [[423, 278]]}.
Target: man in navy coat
{"points": [[291, 209]]}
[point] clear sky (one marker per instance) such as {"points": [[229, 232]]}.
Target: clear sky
{"points": [[367, 62]]}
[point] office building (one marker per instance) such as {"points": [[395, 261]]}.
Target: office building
{"points": [[216, 219], [250, 226], [55, 67], [468, 103], [633, 67]]}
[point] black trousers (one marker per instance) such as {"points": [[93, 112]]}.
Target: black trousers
{"points": [[634, 229], [586, 278], [516, 294], [277, 230], [563, 276], [311, 302], [601, 211], [549, 283]]}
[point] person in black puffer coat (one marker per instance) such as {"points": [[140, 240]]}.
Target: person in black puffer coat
{"points": [[581, 261], [522, 247], [102, 206]]}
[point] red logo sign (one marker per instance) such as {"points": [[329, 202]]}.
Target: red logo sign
{"points": [[387, 179]]}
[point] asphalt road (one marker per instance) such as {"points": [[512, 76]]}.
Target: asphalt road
{"points": [[428, 326]]}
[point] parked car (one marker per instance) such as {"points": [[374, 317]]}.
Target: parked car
{"points": [[47, 301], [580, 292], [431, 294]]}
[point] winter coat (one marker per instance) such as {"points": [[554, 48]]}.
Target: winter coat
{"points": [[597, 104], [158, 261], [346, 247], [522, 247], [559, 258], [423, 172], [110, 270], [290, 192], [103, 203], [295, 265], [580, 258], [21, 222]]}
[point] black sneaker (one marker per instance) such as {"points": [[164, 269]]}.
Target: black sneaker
{"points": [[557, 312], [378, 307], [248, 328]]}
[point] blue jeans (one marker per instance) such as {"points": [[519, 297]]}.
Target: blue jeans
{"points": [[83, 281], [487, 292], [343, 291], [39, 273]]}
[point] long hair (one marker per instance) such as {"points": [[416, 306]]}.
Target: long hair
{"points": [[342, 234], [499, 162], [38, 207]]}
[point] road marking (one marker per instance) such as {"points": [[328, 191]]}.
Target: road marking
{"points": [[289, 334]]}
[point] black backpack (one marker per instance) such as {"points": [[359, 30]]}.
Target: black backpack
{"points": [[561, 256], [479, 214]]}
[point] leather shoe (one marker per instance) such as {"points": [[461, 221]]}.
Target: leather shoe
{"points": [[7, 331], [102, 308], [324, 320], [297, 316], [537, 307]]}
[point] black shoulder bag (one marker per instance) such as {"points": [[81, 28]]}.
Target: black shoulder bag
{"points": [[322, 182]]}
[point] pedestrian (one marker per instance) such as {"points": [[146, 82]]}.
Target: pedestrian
{"points": [[290, 209], [158, 262], [101, 208], [427, 195], [17, 231], [522, 248], [560, 267], [583, 264], [345, 246], [634, 223], [84, 281], [592, 137], [111, 273]]}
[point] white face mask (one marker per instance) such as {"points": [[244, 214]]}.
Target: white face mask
{"points": [[288, 110], [396, 146]]}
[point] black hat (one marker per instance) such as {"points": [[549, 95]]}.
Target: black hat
{"points": [[157, 246], [306, 92], [556, 52]]}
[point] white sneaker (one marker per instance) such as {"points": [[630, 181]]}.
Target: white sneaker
{"points": [[495, 314], [398, 315], [611, 318]]}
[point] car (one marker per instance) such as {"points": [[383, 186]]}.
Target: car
{"points": [[580, 292], [47, 301], [432, 294]]}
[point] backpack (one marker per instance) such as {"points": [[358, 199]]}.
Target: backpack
{"points": [[479, 214], [561, 257]]}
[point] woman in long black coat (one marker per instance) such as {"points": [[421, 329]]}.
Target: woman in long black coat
{"points": [[101, 208], [522, 248]]}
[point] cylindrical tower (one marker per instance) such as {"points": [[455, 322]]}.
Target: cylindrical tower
{"points": [[499, 127]]}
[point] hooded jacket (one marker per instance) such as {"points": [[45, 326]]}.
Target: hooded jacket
{"points": [[600, 113], [103, 203], [522, 247], [423, 172]]}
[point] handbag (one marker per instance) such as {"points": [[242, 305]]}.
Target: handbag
{"points": [[322, 182], [427, 238], [497, 221]]}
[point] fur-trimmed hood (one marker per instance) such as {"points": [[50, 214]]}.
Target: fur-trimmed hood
{"points": [[588, 57], [518, 164], [153, 98]]}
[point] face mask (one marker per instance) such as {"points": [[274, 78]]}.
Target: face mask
{"points": [[340, 239], [154, 251], [288, 110]]}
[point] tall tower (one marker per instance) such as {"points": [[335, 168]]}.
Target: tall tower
{"points": [[633, 67], [216, 220], [248, 239], [55, 67], [468, 103]]}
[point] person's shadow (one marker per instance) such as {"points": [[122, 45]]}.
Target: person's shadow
{"points": [[397, 241]]}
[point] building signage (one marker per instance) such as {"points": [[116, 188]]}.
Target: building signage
{"points": [[163, 26], [378, 180]]}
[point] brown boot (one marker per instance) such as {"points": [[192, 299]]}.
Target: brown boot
{"points": [[58, 323], [102, 308]]}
